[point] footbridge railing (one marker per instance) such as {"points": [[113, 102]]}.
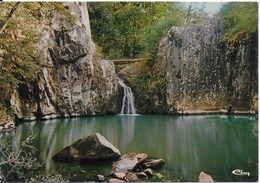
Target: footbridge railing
{"points": [[125, 61]]}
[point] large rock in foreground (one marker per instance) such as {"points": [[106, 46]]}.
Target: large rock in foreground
{"points": [[93, 147], [153, 163], [134, 167], [129, 162], [203, 177]]}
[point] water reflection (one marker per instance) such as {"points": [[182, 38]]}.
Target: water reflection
{"points": [[128, 130], [216, 144]]}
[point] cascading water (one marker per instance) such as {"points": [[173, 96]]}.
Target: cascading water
{"points": [[128, 105]]}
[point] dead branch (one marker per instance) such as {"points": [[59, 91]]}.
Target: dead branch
{"points": [[15, 162], [9, 17]]}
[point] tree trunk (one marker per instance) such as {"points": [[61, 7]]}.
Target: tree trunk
{"points": [[9, 17], [188, 17], [134, 41]]}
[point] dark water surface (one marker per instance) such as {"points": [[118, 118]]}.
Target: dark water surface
{"points": [[215, 144]]}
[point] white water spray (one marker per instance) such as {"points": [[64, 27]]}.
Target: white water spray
{"points": [[128, 105]]}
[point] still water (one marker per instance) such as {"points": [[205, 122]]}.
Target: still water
{"points": [[215, 144]]}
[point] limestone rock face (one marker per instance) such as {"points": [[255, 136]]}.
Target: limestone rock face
{"points": [[91, 148], [73, 81], [204, 73]]}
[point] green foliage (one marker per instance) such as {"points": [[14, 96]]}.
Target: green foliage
{"points": [[16, 46], [135, 29], [153, 34], [147, 83], [240, 19], [5, 115], [18, 55], [121, 28]]}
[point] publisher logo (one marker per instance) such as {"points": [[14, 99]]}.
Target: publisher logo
{"points": [[240, 172]]}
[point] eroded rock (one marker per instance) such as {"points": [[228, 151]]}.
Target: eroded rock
{"points": [[125, 165], [204, 73], [93, 147], [7, 126], [149, 172], [118, 175], [115, 180], [129, 162], [100, 178], [142, 175], [203, 177], [135, 167], [153, 163], [131, 177], [72, 80]]}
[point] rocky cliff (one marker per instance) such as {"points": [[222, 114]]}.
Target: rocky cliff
{"points": [[204, 73], [196, 71], [73, 80]]}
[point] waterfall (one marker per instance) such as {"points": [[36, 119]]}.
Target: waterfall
{"points": [[128, 105]]}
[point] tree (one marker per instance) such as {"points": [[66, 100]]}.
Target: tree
{"points": [[19, 63], [196, 12], [18, 38], [17, 58], [9, 17], [240, 20], [118, 27], [153, 33], [14, 162]]}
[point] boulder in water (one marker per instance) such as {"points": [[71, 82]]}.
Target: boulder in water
{"points": [[129, 162], [115, 180], [134, 167], [142, 175], [153, 163], [149, 172], [91, 148], [131, 177], [118, 175], [203, 177], [100, 178]]}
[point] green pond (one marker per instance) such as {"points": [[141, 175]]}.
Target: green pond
{"points": [[214, 144]]}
